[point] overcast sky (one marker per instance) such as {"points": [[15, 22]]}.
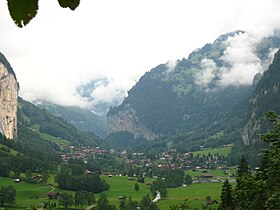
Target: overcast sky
{"points": [[119, 40]]}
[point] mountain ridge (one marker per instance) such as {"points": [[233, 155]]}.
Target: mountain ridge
{"points": [[196, 93]]}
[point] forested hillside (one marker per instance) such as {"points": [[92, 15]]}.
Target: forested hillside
{"points": [[190, 102], [29, 116], [82, 119], [40, 137], [265, 98]]}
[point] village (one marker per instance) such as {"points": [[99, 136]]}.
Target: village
{"points": [[144, 164]]}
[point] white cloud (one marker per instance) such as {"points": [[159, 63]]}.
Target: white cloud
{"points": [[207, 73], [171, 65], [241, 59], [103, 93]]}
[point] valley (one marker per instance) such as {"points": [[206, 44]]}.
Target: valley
{"points": [[184, 133]]}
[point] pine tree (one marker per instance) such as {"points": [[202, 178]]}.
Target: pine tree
{"points": [[261, 191], [226, 197], [136, 187], [243, 167], [269, 173]]}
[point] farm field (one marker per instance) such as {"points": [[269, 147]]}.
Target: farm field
{"points": [[195, 193], [221, 150], [121, 186], [49, 137], [27, 194], [215, 173]]}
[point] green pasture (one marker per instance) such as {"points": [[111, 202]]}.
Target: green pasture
{"points": [[49, 137], [27, 194], [121, 186], [12, 152], [216, 173], [221, 150], [195, 193]]}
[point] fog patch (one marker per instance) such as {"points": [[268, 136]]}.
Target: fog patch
{"points": [[241, 60], [207, 73], [171, 65]]}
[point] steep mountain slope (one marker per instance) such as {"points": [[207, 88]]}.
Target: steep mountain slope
{"points": [[31, 116], [8, 99], [265, 98], [201, 99], [32, 137], [82, 119]]}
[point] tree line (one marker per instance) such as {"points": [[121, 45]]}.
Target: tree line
{"points": [[88, 182], [259, 190]]}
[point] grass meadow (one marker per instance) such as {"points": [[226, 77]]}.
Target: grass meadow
{"points": [[27, 194], [195, 193], [221, 150], [31, 195]]}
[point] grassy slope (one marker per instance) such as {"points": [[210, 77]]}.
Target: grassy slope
{"points": [[215, 173], [49, 137], [12, 152], [122, 186], [195, 193], [27, 194], [221, 150]]}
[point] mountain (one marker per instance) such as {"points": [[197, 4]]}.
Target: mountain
{"points": [[82, 119], [266, 98], [43, 122], [32, 138], [9, 88], [199, 100]]}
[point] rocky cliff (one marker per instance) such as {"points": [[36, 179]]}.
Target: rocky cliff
{"points": [[127, 120], [265, 98], [8, 102]]}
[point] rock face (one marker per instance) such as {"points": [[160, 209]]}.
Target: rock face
{"points": [[127, 120], [266, 98], [251, 130], [8, 103]]}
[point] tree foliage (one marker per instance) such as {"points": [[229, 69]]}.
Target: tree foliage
{"points": [[103, 203], [7, 195], [243, 168], [66, 200], [90, 182], [136, 187], [226, 197], [24, 11], [260, 190], [82, 198]]}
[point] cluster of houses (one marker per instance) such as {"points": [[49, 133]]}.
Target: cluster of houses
{"points": [[82, 153], [173, 159]]}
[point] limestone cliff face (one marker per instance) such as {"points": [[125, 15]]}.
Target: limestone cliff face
{"points": [[8, 103], [127, 120]]}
